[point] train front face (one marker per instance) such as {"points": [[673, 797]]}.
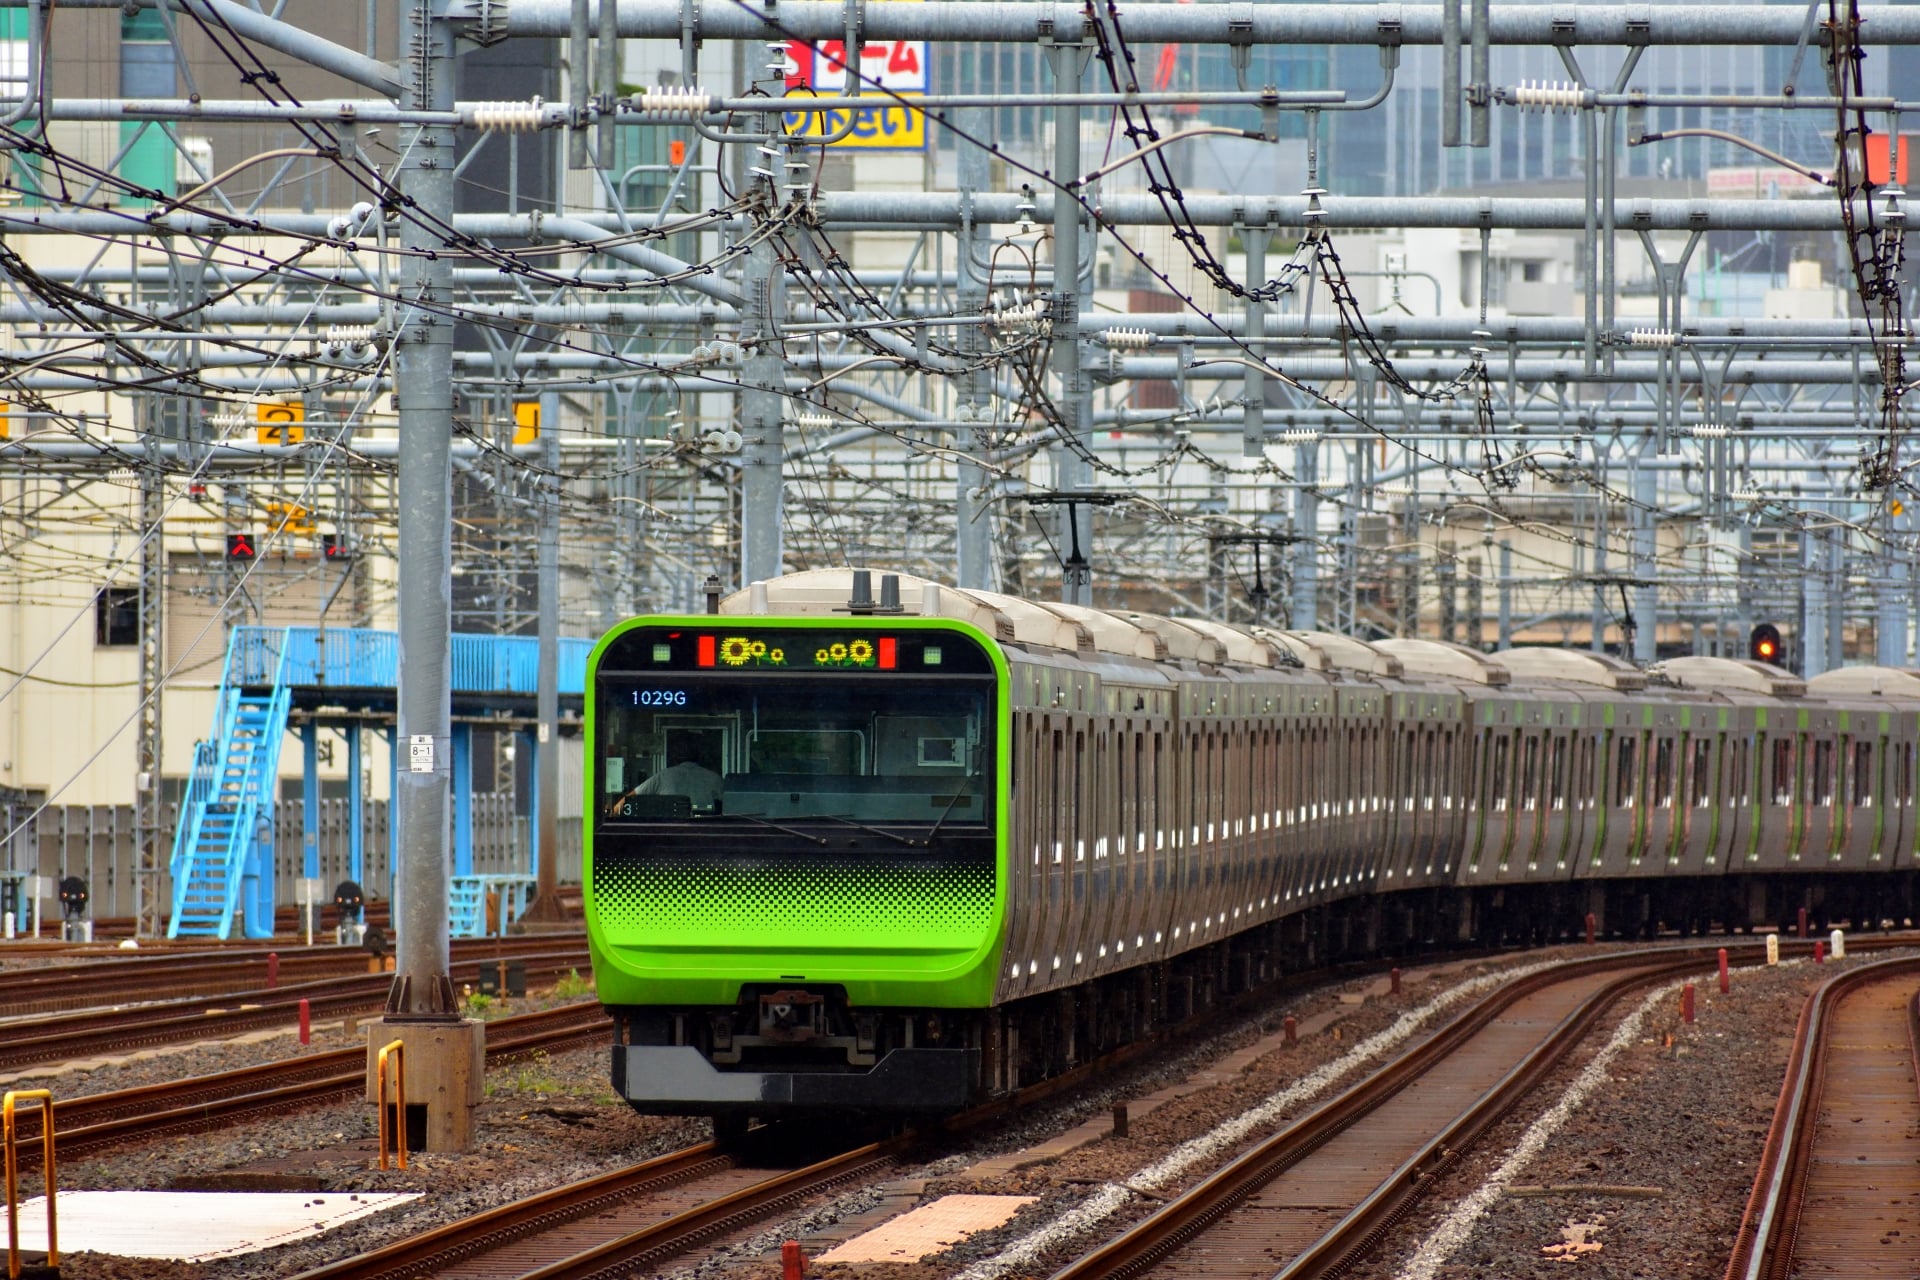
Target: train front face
{"points": [[791, 863]]}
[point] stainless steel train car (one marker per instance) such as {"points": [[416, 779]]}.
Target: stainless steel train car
{"points": [[1150, 813]]}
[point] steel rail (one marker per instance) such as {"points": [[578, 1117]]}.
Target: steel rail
{"points": [[1763, 1250], [113, 1030], [203, 1103], [1142, 1246]]}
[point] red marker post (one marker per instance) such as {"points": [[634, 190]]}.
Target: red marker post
{"points": [[1800, 931], [1591, 923], [1686, 1004], [306, 1021], [1393, 980], [793, 1263], [273, 969], [1819, 953], [1725, 983], [1292, 1029]]}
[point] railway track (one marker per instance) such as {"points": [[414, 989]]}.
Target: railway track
{"points": [[116, 977], [1311, 1199], [1835, 1194], [199, 1104], [32, 1042], [623, 1222]]}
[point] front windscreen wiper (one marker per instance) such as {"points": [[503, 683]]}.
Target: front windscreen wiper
{"points": [[941, 821], [758, 820], [849, 822]]}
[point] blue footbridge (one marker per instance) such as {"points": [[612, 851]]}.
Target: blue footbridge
{"points": [[304, 680]]}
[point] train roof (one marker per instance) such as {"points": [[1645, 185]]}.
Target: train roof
{"points": [[1867, 682], [1729, 675]]}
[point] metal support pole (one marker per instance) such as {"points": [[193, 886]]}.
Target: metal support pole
{"points": [[150, 857], [1071, 470], [1813, 610], [607, 78], [1253, 420], [1646, 599], [1890, 623], [1836, 574], [1306, 564], [973, 509], [310, 800], [423, 382], [546, 847], [579, 57], [1506, 594], [463, 799], [763, 447], [356, 810]]}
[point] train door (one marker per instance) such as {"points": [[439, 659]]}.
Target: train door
{"points": [[1774, 808], [1532, 813], [1559, 807], [1446, 849], [1025, 886], [1865, 814], [1699, 787], [1663, 807], [1733, 807]]}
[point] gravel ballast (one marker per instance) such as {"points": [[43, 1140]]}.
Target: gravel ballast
{"points": [[1667, 1144]]}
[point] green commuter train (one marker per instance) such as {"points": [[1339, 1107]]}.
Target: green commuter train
{"points": [[897, 854]]}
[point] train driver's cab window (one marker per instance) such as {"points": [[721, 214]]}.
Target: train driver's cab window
{"points": [[768, 750]]}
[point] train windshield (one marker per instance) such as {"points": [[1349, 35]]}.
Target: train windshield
{"points": [[747, 749]]}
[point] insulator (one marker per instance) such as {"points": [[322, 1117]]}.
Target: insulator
{"points": [[226, 420], [810, 421], [1128, 339], [1710, 431], [509, 117], [1549, 95], [674, 102], [1652, 338], [349, 335]]}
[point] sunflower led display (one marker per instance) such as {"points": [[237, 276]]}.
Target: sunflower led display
{"points": [[845, 653], [745, 651]]}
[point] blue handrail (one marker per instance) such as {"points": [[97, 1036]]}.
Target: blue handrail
{"points": [[357, 658]]}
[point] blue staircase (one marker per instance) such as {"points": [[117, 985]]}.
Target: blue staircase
{"points": [[223, 846]]}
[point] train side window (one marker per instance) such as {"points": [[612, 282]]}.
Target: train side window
{"points": [[1782, 788], [1904, 784], [1863, 775], [1739, 786], [1061, 819], [1624, 776], [1497, 789], [1446, 770], [1701, 773]]}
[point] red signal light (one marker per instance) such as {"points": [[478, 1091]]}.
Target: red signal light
{"points": [[889, 653], [709, 648]]}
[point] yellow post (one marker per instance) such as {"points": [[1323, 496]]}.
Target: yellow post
{"points": [[397, 1050], [45, 1098]]}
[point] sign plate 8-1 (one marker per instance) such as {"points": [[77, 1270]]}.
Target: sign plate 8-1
{"points": [[885, 68]]}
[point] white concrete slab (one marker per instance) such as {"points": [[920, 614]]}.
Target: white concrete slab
{"points": [[193, 1226], [932, 1228]]}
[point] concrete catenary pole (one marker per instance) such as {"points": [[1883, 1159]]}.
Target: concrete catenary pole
{"points": [[443, 1050]]}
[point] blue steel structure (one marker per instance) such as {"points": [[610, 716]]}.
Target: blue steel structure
{"points": [[222, 863]]}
